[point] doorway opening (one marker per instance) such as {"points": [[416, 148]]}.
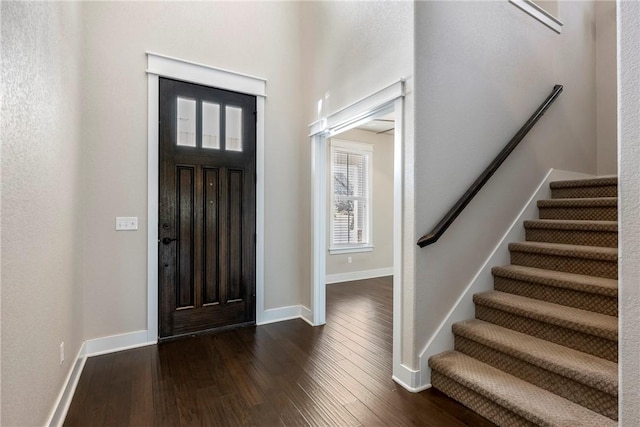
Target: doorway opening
{"points": [[360, 201], [359, 253], [381, 105]]}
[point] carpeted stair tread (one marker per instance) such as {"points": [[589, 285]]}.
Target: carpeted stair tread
{"points": [[596, 187], [581, 367], [587, 322], [530, 402], [582, 225], [543, 348], [573, 231], [579, 202], [570, 289], [576, 208], [579, 259], [592, 182], [574, 251], [560, 279]]}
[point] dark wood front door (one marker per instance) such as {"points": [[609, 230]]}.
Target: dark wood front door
{"points": [[206, 208]]}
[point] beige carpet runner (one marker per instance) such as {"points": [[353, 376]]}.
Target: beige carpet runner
{"points": [[543, 348]]}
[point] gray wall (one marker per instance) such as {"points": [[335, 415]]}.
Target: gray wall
{"points": [[259, 39], [606, 87], [482, 68], [74, 150], [382, 207], [42, 200], [629, 212]]}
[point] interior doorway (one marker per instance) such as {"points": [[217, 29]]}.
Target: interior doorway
{"points": [[388, 100], [360, 201]]}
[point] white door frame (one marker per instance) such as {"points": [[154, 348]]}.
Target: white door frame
{"points": [[390, 98], [192, 72]]}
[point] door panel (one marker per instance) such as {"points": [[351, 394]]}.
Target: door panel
{"points": [[185, 203], [211, 285], [235, 240], [207, 208]]}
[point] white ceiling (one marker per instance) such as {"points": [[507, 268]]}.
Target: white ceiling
{"points": [[380, 124]]}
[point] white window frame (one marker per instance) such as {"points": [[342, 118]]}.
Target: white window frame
{"points": [[365, 150]]}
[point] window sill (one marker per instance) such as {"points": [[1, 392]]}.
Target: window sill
{"points": [[351, 249]]}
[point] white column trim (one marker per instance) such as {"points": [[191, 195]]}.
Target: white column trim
{"points": [[193, 72], [399, 147], [260, 176], [152, 205], [319, 227], [359, 111]]}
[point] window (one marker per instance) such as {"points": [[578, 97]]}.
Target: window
{"points": [[210, 125], [186, 122], [234, 128], [350, 229]]}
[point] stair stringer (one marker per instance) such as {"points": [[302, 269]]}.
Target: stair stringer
{"points": [[464, 308]]}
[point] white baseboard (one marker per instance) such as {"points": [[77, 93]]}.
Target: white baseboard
{"points": [[358, 275], [464, 308], [285, 313], [409, 379], [61, 406], [306, 314], [113, 343]]}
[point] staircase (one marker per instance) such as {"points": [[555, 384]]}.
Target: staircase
{"points": [[543, 348]]}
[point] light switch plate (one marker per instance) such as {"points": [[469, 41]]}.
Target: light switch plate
{"points": [[126, 223]]}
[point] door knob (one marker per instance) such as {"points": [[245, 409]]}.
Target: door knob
{"points": [[168, 240]]}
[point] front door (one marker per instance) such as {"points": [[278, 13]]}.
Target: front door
{"points": [[207, 208]]}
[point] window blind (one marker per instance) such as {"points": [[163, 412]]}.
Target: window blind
{"points": [[350, 198]]}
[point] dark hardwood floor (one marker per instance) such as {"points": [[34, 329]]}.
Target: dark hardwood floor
{"points": [[284, 373]]}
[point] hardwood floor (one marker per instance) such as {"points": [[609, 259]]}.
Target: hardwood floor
{"points": [[282, 374]]}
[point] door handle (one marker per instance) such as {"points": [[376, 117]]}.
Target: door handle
{"points": [[168, 240]]}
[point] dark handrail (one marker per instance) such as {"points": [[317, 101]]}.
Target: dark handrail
{"points": [[453, 213]]}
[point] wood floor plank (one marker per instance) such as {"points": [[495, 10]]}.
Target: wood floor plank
{"points": [[377, 324], [374, 335], [363, 414], [280, 374], [317, 378], [266, 415], [142, 391], [289, 413]]}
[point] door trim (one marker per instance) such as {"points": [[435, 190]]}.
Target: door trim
{"points": [[193, 72], [389, 98]]}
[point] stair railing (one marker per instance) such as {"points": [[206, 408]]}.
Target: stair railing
{"points": [[447, 220]]}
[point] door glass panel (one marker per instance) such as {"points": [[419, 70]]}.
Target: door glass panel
{"points": [[186, 122], [210, 125], [233, 128]]}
